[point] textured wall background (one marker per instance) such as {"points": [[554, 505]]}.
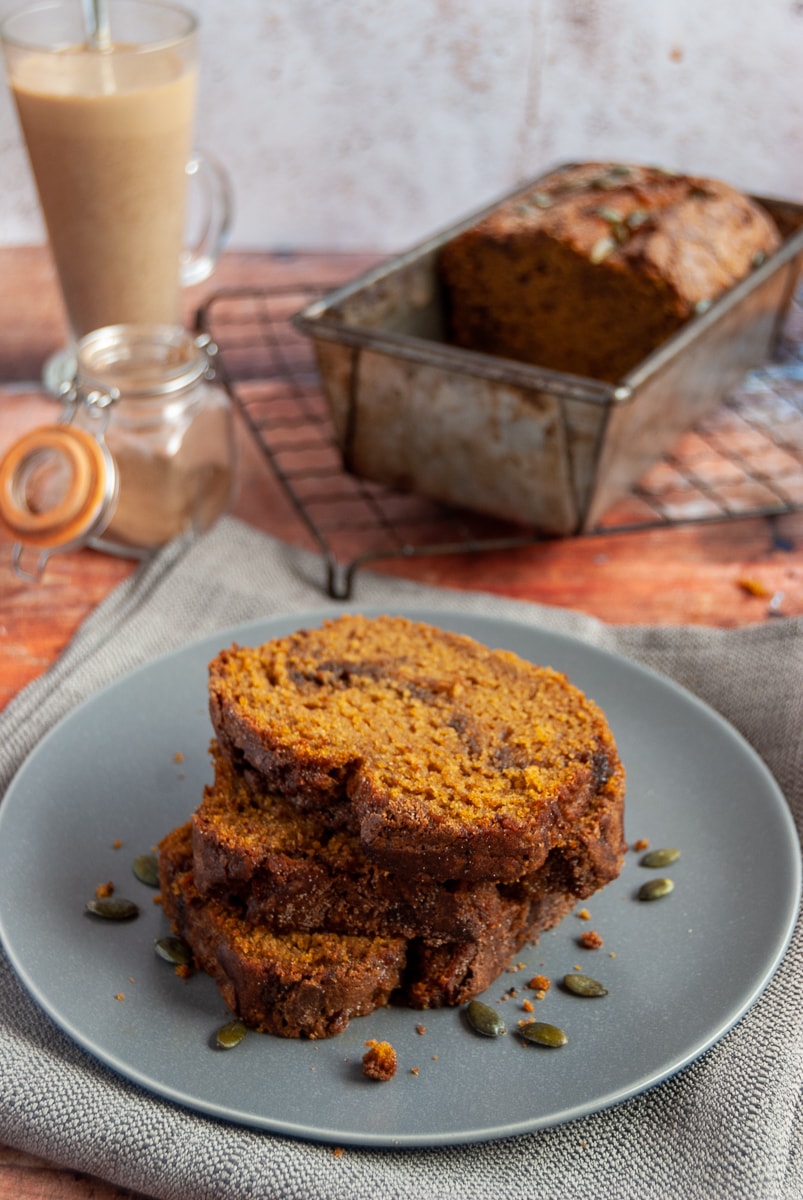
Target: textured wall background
{"points": [[371, 124]]}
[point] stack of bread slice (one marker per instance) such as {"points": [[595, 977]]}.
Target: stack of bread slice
{"points": [[396, 811]]}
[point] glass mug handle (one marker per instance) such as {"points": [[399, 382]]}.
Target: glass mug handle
{"points": [[210, 201]]}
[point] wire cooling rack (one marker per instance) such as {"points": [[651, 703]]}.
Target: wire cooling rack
{"points": [[745, 459]]}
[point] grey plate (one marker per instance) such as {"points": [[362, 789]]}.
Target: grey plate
{"points": [[680, 971]]}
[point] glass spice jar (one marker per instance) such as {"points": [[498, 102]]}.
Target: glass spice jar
{"points": [[144, 451]]}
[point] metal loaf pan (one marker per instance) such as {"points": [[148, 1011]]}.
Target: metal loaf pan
{"points": [[534, 446]]}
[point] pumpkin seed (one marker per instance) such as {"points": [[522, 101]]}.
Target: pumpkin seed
{"points": [[604, 183], [543, 1034], [146, 869], [609, 214], [113, 908], [485, 1020], [655, 889], [541, 200], [602, 249], [230, 1034], [584, 985], [660, 858], [173, 950]]}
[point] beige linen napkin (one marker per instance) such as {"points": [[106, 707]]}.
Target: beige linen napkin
{"points": [[730, 1125]]}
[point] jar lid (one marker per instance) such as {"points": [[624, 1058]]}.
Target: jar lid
{"points": [[57, 486]]}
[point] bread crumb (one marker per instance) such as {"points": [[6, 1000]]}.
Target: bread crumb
{"points": [[642, 844], [119, 995], [178, 757], [104, 889], [421, 1029], [584, 914], [117, 844], [413, 1070], [528, 1006], [379, 1061], [338, 1152], [754, 587], [539, 983], [591, 940]]}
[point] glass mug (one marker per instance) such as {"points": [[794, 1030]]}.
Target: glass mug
{"points": [[109, 138]]}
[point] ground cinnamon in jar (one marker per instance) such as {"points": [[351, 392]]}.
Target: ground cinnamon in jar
{"points": [[163, 494], [168, 430]]}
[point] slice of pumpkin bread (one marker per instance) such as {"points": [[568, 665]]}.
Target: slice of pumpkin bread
{"points": [[458, 761], [292, 984], [289, 870], [310, 984]]}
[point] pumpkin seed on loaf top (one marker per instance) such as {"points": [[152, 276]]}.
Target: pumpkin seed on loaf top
{"points": [[458, 761]]}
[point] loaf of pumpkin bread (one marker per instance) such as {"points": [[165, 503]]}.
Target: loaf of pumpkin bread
{"points": [[597, 264]]}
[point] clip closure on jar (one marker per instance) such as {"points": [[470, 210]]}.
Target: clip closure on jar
{"points": [[143, 453]]}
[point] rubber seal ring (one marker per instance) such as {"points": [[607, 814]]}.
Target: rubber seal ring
{"points": [[76, 512]]}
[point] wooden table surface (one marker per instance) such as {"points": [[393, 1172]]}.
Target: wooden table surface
{"points": [[720, 574]]}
